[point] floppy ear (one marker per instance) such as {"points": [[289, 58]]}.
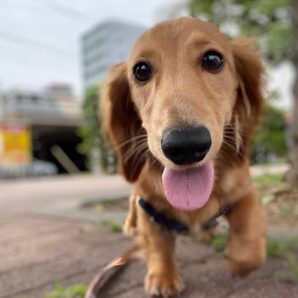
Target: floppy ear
{"points": [[121, 123], [248, 107]]}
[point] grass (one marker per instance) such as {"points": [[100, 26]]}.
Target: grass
{"points": [[219, 242], [74, 291], [267, 180], [285, 248], [111, 225], [280, 247]]}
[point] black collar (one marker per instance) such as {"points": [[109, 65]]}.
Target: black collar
{"points": [[170, 224], [176, 226]]}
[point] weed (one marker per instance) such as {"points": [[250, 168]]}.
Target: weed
{"points": [[113, 226], [277, 277], [285, 248], [268, 180], [219, 242], [74, 291]]}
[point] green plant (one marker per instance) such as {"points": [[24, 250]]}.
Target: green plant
{"points": [[111, 225], [285, 248], [74, 291], [267, 180], [219, 242], [94, 145], [269, 138], [277, 277], [293, 263]]}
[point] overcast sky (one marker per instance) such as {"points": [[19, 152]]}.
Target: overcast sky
{"points": [[39, 39]]}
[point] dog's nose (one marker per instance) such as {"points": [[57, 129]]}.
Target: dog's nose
{"points": [[186, 145]]}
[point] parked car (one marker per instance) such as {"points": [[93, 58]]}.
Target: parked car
{"points": [[34, 169]]}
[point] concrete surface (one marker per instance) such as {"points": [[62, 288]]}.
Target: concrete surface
{"points": [[47, 237], [39, 252], [34, 195]]}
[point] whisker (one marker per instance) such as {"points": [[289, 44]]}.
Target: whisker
{"points": [[141, 159], [135, 150], [229, 145], [131, 153], [135, 138]]}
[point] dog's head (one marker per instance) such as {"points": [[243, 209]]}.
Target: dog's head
{"points": [[185, 92]]}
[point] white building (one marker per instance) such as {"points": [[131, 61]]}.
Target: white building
{"points": [[104, 45], [56, 105]]}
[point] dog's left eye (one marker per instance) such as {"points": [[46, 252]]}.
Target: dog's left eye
{"points": [[212, 61], [142, 71]]}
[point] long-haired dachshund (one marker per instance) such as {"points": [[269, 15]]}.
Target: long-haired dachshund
{"points": [[180, 113]]}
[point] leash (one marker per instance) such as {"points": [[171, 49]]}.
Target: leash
{"points": [[101, 279], [120, 263]]}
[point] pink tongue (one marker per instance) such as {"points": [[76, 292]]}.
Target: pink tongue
{"points": [[189, 189]]}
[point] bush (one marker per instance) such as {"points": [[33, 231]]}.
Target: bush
{"points": [[269, 140]]}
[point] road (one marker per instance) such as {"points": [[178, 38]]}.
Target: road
{"points": [[32, 194], [19, 196]]}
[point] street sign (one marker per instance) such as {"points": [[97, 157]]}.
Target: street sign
{"points": [[15, 144]]}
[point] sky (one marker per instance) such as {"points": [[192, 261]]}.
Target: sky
{"points": [[40, 39]]}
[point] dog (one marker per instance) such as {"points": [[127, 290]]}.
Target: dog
{"points": [[180, 113]]}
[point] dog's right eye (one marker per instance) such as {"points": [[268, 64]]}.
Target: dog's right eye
{"points": [[142, 71]]}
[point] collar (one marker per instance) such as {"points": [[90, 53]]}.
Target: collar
{"points": [[172, 225], [175, 226]]}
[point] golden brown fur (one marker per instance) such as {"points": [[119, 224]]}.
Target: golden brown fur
{"points": [[227, 103]]}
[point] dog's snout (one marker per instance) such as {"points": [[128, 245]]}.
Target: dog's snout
{"points": [[186, 145]]}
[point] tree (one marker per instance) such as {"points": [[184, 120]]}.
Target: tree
{"points": [[269, 139], [294, 170], [93, 145], [274, 24], [89, 128]]}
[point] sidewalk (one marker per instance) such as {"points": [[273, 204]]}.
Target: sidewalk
{"points": [[47, 237], [19, 196], [39, 252]]}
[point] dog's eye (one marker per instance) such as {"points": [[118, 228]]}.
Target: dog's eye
{"points": [[212, 61], [142, 71]]}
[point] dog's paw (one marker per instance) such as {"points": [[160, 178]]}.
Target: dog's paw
{"points": [[242, 257], [163, 284]]}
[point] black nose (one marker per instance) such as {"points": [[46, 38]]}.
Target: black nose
{"points": [[186, 145]]}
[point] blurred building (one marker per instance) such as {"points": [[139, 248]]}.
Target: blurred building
{"points": [[104, 45], [52, 116], [54, 106]]}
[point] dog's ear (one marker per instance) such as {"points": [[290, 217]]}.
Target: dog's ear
{"points": [[121, 123], [249, 71]]}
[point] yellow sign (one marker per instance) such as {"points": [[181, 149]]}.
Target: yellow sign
{"points": [[15, 144]]}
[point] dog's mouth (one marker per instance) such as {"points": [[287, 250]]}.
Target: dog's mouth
{"points": [[188, 182], [188, 189]]}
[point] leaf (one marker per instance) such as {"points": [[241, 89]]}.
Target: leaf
{"points": [[267, 199]]}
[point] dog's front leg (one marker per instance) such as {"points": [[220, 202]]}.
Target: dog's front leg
{"points": [[246, 248], [130, 225], [158, 245]]}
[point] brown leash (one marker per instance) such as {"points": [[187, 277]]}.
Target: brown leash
{"points": [[110, 270]]}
